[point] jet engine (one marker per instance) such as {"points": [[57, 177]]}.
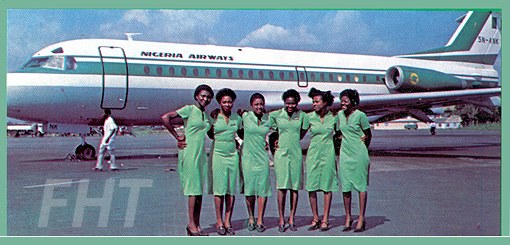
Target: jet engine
{"points": [[412, 79]]}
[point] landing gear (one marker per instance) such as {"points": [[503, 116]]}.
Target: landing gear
{"points": [[85, 152]]}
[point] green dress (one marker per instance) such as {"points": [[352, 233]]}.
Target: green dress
{"points": [[224, 155], [354, 159], [321, 172], [255, 159], [288, 158], [192, 160]]}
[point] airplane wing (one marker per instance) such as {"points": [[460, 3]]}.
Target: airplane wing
{"points": [[392, 106]]}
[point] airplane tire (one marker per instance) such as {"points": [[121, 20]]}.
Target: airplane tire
{"points": [[86, 152]]}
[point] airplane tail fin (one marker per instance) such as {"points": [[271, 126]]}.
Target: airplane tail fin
{"points": [[476, 40]]}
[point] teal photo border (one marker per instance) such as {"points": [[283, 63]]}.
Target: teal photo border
{"points": [[502, 5]]}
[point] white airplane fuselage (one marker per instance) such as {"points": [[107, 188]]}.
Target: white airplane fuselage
{"points": [[143, 80]]}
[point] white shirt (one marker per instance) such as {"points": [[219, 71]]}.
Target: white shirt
{"points": [[110, 128]]}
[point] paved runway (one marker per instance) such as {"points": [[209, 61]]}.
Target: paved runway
{"points": [[420, 185]]}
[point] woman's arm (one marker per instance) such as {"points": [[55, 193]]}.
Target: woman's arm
{"points": [[368, 137], [169, 125]]}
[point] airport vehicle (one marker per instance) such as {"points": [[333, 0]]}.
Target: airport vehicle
{"points": [[66, 85]]}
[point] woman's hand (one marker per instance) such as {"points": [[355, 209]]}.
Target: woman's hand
{"points": [[364, 138], [181, 142]]}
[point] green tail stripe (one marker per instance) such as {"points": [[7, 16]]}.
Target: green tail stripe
{"points": [[467, 35], [488, 59]]}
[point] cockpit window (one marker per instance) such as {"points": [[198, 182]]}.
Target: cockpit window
{"points": [[53, 62], [36, 62]]}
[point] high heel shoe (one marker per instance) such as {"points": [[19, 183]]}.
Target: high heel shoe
{"points": [[188, 231], [221, 230], [315, 225], [348, 228], [360, 229], [325, 228]]}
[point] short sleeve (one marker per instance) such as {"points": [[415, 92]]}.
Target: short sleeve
{"points": [[363, 120], [271, 122], [306, 122], [185, 111]]}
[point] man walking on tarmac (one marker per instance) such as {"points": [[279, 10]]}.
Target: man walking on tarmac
{"points": [[110, 130]]}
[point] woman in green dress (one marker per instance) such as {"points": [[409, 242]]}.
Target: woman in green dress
{"points": [[225, 159], [288, 158], [321, 173], [255, 161], [354, 160], [192, 159]]}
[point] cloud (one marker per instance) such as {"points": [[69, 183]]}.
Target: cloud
{"points": [[137, 16], [188, 26], [271, 36]]}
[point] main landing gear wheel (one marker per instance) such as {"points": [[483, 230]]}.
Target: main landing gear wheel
{"points": [[85, 152]]}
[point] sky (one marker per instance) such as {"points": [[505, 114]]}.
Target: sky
{"points": [[373, 32]]}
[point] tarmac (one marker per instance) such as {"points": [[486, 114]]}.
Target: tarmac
{"points": [[420, 185]]}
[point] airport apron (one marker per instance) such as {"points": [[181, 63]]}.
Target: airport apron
{"points": [[354, 159], [224, 155], [255, 159], [192, 160], [288, 158], [321, 170]]}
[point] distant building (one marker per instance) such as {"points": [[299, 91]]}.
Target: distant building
{"points": [[409, 123]]}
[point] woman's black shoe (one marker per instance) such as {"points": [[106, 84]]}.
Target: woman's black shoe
{"points": [[360, 229], [188, 231], [261, 228], [221, 230], [316, 225], [230, 230], [348, 228], [325, 228]]}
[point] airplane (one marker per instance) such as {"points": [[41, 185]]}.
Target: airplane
{"points": [[66, 86]]}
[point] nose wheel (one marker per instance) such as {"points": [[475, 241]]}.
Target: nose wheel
{"points": [[85, 152]]}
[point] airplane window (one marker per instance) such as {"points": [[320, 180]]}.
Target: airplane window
{"points": [[207, 72], [291, 75], [240, 73], [261, 74], [229, 73], [282, 75], [55, 62], [377, 78], [70, 63], [184, 71], [348, 78], [356, 78], [171, 70], [364, 78], [195, 72], [302, 76], [36, 62], [312, 76], [250, 74], [271, 75], [339, 78], [159, 70], [331, 79], [57, 51], [322, 77], [218, 72], [146, 70]]}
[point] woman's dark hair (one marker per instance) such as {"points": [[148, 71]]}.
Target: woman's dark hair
{"points": [[257, 96], [352, 94], [203, 87], [326, 95], [226, 92], [291, 93]]}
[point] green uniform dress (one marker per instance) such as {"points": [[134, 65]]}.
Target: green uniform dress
{"points": [[255, 159], [225, 157], [354, 159], [192, 160], [321, 172], [288, 158]]}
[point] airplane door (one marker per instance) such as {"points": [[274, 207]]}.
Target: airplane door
{"points": [[115, 78], [302, 76]]}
